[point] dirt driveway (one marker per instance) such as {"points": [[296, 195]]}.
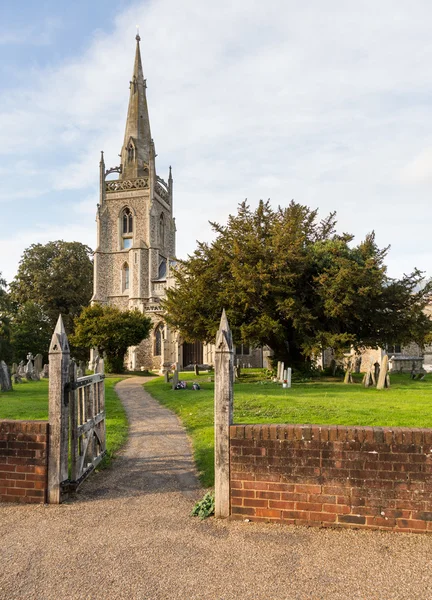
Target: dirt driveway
{"points": [[129, 535]]}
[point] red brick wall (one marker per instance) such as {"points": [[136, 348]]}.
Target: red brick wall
{"points": [[23, 461], [366, 477]]}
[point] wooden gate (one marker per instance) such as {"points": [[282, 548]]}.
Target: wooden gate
{"points": [[76, 419], [87, 422]]}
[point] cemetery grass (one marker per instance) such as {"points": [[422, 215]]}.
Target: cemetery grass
{"points": [[29, 401], [322, 402]]}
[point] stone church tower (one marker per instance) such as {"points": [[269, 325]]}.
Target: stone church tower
{"points": [[136, 231]]}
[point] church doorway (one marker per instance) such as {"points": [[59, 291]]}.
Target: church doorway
{"points": [[192, 353]]}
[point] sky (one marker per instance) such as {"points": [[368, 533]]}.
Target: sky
{"points": [[327, 103]]}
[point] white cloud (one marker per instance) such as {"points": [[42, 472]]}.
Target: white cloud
{"points": [[418, 170]]}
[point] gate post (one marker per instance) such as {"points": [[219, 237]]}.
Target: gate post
{"points": [[59, 356], [223, 409]]}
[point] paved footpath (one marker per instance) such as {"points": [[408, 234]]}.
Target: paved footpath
{"points": [[128, 534]]}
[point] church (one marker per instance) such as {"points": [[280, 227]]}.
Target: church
{"points": [[136, 235]]}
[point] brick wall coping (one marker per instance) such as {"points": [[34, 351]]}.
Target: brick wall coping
{"points": [[35, 427], [332, 433]]}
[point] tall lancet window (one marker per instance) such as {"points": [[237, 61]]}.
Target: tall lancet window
{"points": [[127, 228], [125, 277], [162, 229], [158, 339]]}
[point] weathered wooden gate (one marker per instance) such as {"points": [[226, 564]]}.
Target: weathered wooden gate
{"points": [[76, 419], [87, 422]]}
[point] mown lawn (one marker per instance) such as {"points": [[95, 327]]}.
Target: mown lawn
{"points": [[406, 404], [29, 401]]}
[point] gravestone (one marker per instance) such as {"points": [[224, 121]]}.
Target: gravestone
{"points": [[289, 377], [384, 378], [377, 370], [45, 371], [175, 379], [348, 373], [14, 369], [21, 369], [369, 377], [38, 362], [17, 378], [196, 369], [80, 372], [29, 367], [166, 376], [281, 373], [5, 378]]}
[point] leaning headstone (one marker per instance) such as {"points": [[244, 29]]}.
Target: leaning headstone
{"points": [[38, 362], [384, 378], [5, 378], [348, 373]]}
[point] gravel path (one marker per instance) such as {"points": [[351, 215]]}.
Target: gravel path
{"points": [[128, 534]]}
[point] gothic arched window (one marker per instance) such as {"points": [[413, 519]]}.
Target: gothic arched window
{"points": [[127, 221], [125, 277], [126, 228], [162, 229], [158, 339]]}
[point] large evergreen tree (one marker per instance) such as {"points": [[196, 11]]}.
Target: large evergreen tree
{"points": [[58, 277], [288, 280]]}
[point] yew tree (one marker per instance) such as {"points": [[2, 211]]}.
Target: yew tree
{"points": [[289, 280], [111, 331]]}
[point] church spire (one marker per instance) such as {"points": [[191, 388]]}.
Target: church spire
{"points": [[135, 154]]}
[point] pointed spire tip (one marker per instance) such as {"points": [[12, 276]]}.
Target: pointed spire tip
{"points": [[59, 328], [224, 322]]}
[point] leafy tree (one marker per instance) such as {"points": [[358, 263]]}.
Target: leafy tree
{"points": [[111, 331], [290, 281], [31, 331], [58, 277], [5, 329]]}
